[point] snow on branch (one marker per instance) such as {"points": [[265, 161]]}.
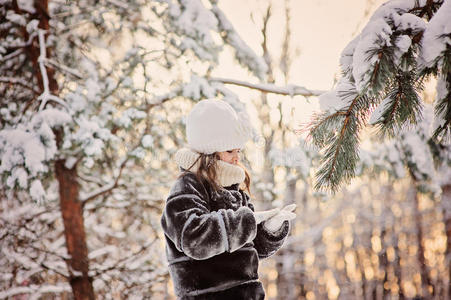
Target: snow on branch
{"points": [[11, 55], [46, 95], [243, 53], [66, 69], [289, 90], [123, 261], [35, 289], [163, 98], [23, 45], [19, 81]]}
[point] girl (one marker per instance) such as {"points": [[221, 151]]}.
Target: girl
{"points": [[214, 239]]}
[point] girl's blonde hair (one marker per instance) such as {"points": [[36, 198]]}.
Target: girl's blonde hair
{"points": [[206, 172]]}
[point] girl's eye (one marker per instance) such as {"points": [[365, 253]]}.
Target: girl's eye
{"points": [[231, 151]]}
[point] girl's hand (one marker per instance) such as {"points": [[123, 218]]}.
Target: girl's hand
{"points": [[261, 216], [285, 214]]}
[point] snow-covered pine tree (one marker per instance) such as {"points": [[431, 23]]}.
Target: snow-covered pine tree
{"points": [[92, 94], [384, 69]]}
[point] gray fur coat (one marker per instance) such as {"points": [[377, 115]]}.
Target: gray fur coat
{"points": [[213, 243]]}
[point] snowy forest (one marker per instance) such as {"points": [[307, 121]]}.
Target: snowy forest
{"points": [[93, 100]]}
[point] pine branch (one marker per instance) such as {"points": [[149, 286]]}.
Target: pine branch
{"points": [[403, 104], [383, 70], [443, 110], [339, 133], [341, 155], [321, 126]]}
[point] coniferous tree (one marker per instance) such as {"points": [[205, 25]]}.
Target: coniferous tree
{"points": [[384, 69]]}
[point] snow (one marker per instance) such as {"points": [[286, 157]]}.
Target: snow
{"points": [[336, 100], [52, 116], [93, 90], [395, 6], [76, 101], [442, 92], [22, 147], [409, 21], [35, 289], [376, 116], [70, 162], [420, 155], [402, 44], [197, 23], [291, 157], [102, 251], [26, 5], [16, 18], [375, 35], [125, 120], [21, 175], [37, 192], [416, 149], [91, 135], [198, 87], [396, 161], [147, 141], [94, 147], [243, 52], [346, 56], [32, 26], [436, 37]]}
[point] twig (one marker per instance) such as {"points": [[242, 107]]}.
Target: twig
{"points": [[66, 69], [107, 188], [11, 55]]}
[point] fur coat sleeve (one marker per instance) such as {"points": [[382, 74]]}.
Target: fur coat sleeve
{"points": [[267, 242], [200, 232]]}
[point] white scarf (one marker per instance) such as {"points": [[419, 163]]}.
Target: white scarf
{"points": [[226, 174]]}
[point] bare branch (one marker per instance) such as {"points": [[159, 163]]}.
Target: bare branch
{"points": [[66, 69], [11, 55], [106, 188], [289, 90], [23, 45], [124, 260], [46, 95]]}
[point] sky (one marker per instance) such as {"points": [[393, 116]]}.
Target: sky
{"points": [[320, 31]]}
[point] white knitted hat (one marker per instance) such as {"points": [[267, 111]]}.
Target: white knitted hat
{"points": [[214, 126]]}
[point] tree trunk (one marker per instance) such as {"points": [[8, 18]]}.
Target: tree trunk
{"points": [[286, 287], [425, 280], [446, 203], [71, 208], [398, 268], [384, 264], [74, 232]]}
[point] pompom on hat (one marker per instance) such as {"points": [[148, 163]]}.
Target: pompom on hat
{"points": [[214, 126]]}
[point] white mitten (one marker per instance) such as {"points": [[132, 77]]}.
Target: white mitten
{"points": [[285, 214], [264, 215]]}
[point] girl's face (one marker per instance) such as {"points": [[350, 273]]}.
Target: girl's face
{"points": [[230, 156]]}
